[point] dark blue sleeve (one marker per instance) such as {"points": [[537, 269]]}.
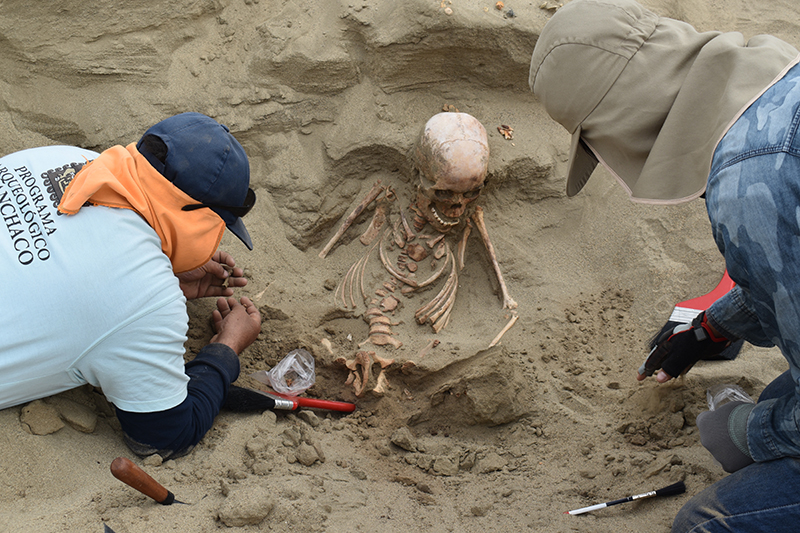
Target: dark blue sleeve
{"points": [[176, 431]]}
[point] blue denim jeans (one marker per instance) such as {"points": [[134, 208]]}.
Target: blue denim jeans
{"points": [[761, 498], [753, 201]]}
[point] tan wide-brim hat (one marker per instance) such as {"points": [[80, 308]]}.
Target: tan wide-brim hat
{"points": [[648, 97]]}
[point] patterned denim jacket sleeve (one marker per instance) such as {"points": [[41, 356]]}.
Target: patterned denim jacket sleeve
{"points": [[733, 316], [772, 428]]}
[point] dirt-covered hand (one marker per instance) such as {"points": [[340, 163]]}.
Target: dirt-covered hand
{"points": [[237, 323], [217, 277]]}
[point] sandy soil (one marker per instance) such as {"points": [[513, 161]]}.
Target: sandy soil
{"points": [[327, 98]]}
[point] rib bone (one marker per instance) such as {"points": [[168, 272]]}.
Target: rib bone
{"points": [[440, 301], [430, 346], [341, 290], [405, 279], [409, 234]]}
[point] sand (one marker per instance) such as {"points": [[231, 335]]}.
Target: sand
{"points": [[328, 98]]}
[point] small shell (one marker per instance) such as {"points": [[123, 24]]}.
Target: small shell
{"points": [[499, 5]]}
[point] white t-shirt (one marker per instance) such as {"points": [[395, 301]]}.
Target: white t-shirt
{"points": [[88, 298]]}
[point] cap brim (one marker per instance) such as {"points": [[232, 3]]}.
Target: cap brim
{"points": [[238, 229], [581, 164]]}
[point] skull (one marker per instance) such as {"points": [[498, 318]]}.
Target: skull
{"points": [[452, 157]]}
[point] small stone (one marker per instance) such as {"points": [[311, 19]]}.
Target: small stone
{"points": [[491, 462], [268, 420], [291, 437], [153, 460], [40, 418], [383, 448], [306, 454], [256, 447], [468, 461], [309, 418], [77, 415], [403, 438], [445, 466], [358, 474], [480, 510]]}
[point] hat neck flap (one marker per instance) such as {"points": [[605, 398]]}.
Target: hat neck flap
{"points": [[727, 75], [121, 177]]}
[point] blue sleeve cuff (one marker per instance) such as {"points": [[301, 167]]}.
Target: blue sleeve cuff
{"points": [[176, 431], [221, 358]]}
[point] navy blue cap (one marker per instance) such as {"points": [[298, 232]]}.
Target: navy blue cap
{"points": [[203, 159]]}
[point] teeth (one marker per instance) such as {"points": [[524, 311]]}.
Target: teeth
{"points": [[439, 219]]}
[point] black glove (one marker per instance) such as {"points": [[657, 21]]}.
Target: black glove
{"points": [[723, 432], [678, 349]]}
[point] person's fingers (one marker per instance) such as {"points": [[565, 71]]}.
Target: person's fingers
{"points": [[216, 320], [237, 281], [251, 308], [663, 377], [224, 258], [640, 377], [223, 306], [216, 270]]}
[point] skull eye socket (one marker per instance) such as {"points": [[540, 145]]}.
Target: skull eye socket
{"points": [[443, 194], [473, 193]]}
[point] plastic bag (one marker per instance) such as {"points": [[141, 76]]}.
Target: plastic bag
{"points": [[726, 392], [292, 375]]}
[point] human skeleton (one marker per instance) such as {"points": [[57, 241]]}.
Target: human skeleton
{"points": [[451, 160]]}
